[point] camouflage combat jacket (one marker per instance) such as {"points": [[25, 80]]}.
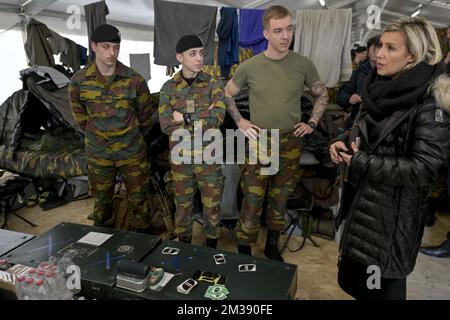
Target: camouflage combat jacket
{"points": [[177, 95], [114, 114]]}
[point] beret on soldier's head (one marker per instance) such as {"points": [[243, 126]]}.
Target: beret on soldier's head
{"points": [[106, 33], [188, 42], [360, 49]]}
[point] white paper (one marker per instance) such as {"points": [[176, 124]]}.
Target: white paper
{"points": [[95, 238]]}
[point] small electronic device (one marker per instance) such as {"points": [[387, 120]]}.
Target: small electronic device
{"points": [[170, 251], [132, 275], [247, 267], [156, 277], [132, 283], [186, 286], [219, 259]]}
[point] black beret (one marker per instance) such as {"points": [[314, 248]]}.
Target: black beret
{"points": [[106, 33], [188, 42], [360, 49]]}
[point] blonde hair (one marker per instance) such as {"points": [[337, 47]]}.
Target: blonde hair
{"points": [[274, 12], [422, 41]]}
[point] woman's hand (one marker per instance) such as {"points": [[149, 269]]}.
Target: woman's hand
{"points": [[335, 149], [348, 157]]}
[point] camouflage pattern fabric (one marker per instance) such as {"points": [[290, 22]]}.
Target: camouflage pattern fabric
{"points": [[115, 114], [186, 179], [204, 91], [443, 40], [135, 174], [278, 187], [45, 164], [214, 70]]}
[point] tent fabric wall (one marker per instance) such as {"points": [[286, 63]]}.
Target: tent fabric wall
{"points": [[14, 59]]}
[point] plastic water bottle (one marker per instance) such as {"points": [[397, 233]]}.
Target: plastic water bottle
{"points": [[53, 285], [27, 289], [40, 274], [39, 290], [20, 281]]}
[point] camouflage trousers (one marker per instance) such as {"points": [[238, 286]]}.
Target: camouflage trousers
{"points": [[209, 180], [135, 172], [278, 187]]}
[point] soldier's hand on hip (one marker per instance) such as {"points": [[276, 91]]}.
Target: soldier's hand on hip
{"points": [[249, 129], [302, 129]]}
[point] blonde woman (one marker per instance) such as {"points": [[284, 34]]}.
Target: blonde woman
{"points": [[397, 148]]}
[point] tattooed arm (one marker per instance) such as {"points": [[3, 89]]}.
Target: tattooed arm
{"points": [[320, 92], [230, 91], [246, 126], [233, 110]]}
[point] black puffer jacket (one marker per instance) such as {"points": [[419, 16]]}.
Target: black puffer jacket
{"points": [[385, 200]]}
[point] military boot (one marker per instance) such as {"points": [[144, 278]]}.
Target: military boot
{"points": [[271, 250]]}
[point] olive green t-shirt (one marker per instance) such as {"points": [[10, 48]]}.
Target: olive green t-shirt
{"points": [[275, 88]]}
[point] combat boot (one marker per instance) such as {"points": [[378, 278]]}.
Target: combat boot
{"points": [[271, 250]]}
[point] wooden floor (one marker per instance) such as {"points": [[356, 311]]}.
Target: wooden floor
{"points": [[317, 270]]}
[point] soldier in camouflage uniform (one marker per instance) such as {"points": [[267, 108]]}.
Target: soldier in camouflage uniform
{"points": [[191, 97], [111, 104]]}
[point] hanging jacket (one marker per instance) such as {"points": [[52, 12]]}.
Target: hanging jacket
{"points": [[251, 30], [37, 47], [228, 32]]}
